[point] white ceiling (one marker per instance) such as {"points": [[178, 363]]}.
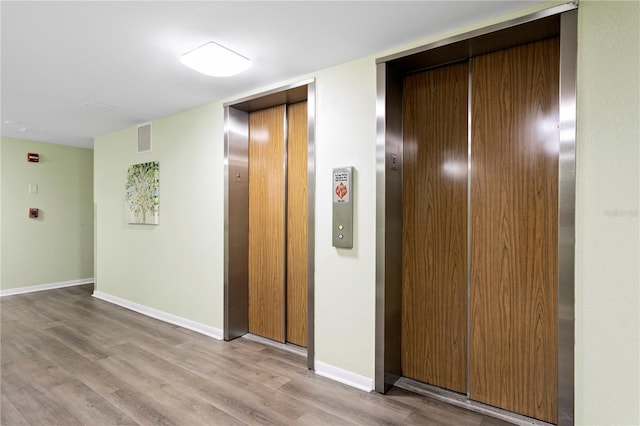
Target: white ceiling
{"points": [[74, 70]]}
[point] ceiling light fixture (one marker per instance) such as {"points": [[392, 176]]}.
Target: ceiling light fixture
{"points": [[215, 60]]}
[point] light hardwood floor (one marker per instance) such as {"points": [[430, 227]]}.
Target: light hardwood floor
{"points": [[68, 358]]}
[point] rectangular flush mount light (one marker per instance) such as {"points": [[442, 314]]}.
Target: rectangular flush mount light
{"points": [[215, 60]]}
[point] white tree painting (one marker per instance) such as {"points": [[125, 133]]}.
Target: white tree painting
{"points": [[142, 193]]}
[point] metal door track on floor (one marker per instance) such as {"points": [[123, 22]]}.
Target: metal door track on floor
{"points": [[289, 347]]}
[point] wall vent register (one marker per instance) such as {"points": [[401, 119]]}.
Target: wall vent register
{"points": [[144, 138]]}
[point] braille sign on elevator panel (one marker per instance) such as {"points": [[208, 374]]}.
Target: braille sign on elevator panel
{"points": [[342, 231]]}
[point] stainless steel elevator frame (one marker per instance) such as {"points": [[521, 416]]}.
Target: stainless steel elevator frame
{"points": [[557, 21], [236, 204]]}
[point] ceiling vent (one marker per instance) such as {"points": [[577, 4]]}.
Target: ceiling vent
{"points": [[144, 138]]}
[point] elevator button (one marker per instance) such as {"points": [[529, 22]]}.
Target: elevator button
{"points": [[340, 236], [340, 227]]}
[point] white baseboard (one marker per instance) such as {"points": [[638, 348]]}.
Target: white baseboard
{"points": [[207, 330], [344, 376], [42, 287]]}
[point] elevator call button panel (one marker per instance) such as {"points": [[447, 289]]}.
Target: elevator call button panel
{"points": [[343, 207]]}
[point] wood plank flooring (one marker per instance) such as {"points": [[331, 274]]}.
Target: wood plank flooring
{"points": [[70, 359]]}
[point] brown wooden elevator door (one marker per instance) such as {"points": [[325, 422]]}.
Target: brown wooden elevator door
{"points": [[278, 223], [266, 223], [434, 257], [297, 224], [514, 210]]}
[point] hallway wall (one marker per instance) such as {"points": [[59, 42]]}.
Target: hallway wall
{"points": [[607, 215], [176, 267], [58, 246]]}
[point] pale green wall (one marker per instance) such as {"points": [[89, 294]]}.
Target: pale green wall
{"points": [[177, 267], [345, 279], [607, 209], [58, 246], [1, 145]]}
